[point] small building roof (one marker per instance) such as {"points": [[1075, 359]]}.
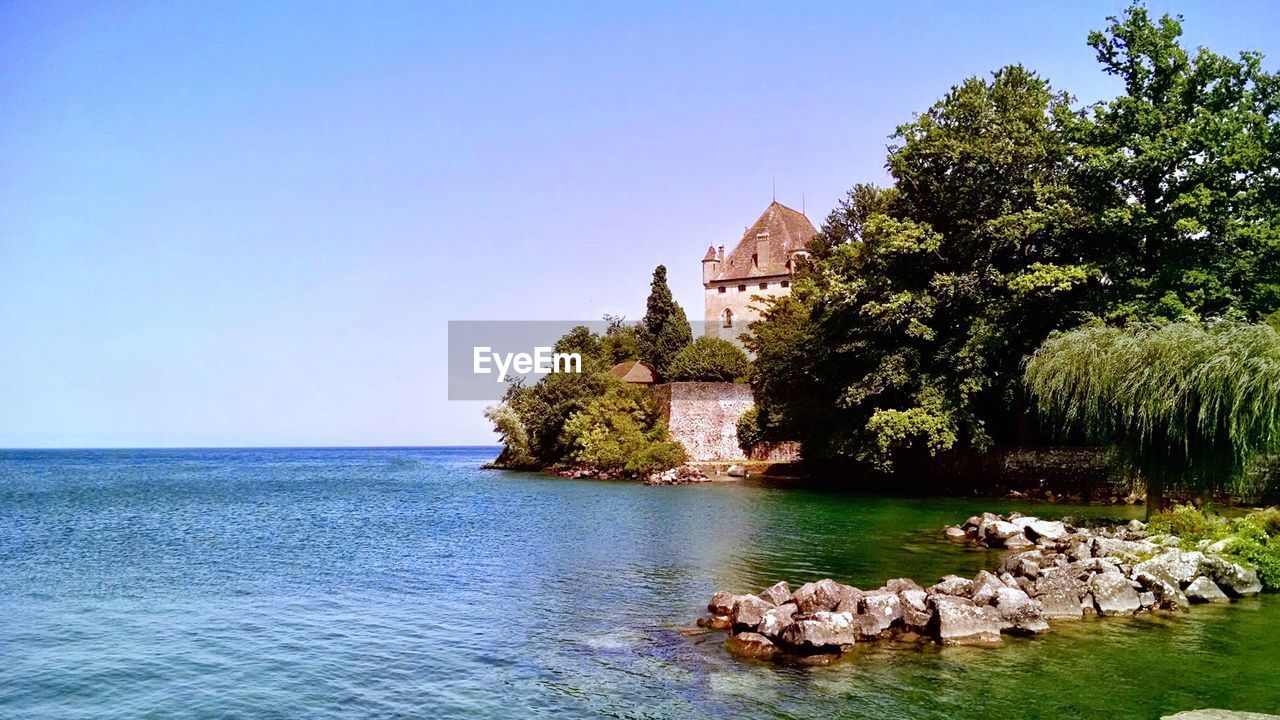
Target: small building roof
{"points": [[788, 231], [711, 253], [634, 371]]}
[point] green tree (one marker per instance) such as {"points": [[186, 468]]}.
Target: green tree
{"points": [[709, 359], [621, 341], [664, 330], [1191, 405], [1182, 174], [621, 430]]}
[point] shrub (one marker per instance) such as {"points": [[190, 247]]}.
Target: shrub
{"points": [[750, 433], [709, 359], [620, 431], [1185, 521]]}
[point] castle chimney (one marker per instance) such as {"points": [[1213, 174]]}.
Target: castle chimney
{"points": [[720, 254], [762, 249]]}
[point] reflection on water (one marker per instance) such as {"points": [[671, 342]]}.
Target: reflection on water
{"points": [[407, 583]]}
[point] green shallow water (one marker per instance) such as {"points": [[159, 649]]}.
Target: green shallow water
{"points": [[407, 583]]}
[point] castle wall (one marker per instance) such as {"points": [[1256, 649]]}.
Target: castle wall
{"points": [[739, 302], [703, 417]]}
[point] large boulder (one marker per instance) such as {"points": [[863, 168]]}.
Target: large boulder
{"points": [[776, 620], [824, 630], [749, 610], [850, 600], [819, 596], [915, 609], [956, 620], [998, 533], [751, 645], [898, 585], [1168, 595], [722, 603], [1202, 589], [1059, 594], [1113, 595], [952, 585], [778, 593], [1020, 612], [985, 586], [1173, 566], [1048, 529], [1235, 580], [882, 608]]}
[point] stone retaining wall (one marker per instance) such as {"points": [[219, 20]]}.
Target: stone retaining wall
{"points": [[703, 417]]}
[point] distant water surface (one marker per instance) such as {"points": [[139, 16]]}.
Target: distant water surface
{"points": [[353, 583]]}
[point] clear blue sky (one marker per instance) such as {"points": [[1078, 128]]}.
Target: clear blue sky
{"points": [[248, 223]]}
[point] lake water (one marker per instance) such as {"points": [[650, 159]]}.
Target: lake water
{"points": [[350, 583]]}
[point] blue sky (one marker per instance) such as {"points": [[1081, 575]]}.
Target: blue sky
{"points": [[248, 224]]}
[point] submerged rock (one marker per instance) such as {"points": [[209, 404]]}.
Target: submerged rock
{"points": [[751, 645]]}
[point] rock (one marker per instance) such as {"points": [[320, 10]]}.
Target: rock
{"points": [[1147, 600], [1111, 547], [955, 534], [751, 645], [1233, 579], [824, 630], [998, 532], [817, 596], [952, 585], [778, 593], [1049, 529], [1217, 548], [850, 600], [985, 586], [1202, 589], [716, 622], [737, 471], [1022, 614], [1113, 595], [1022, 521], [1079, 550], [958, 621], [776, 620], [1174, 566], [1018, 542], [883, 608], [749, 610], [1137, 526], [722, 603], [1059, 594], [1168, 595], [898, 585], [915, 609]]}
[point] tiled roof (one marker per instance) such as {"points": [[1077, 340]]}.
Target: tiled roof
{"points": [[711, 253], [633, 371], [788, 232]]}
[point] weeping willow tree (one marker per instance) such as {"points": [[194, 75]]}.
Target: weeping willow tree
{"points": [[1190, 406]]}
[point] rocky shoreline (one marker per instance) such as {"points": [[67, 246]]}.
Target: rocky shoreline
{"points": [[1053, 572]]}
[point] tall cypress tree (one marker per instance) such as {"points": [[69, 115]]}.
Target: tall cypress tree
{"points": [[665, 329]]}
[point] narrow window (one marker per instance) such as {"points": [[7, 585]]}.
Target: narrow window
{"points": [[722, 288], [764, 286], [728, 318], [786, 283], [742, 288]]}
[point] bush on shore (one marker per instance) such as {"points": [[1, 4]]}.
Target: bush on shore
{"points": [[709, 359], [622, 431], [1253, 539]]}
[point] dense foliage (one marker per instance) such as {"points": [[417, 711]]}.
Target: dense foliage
{"points": [[709, 359], [1191, 405], [1253, 539], [665, 330], [1013, 214], [588, 418]]}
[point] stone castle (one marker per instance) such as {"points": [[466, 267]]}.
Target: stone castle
{"points": [[761, 263]]}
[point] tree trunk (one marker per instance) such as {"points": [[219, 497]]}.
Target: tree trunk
{"points": [[1155, 497]]}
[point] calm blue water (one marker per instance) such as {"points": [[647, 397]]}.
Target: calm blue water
{"points": [[353, 583]]}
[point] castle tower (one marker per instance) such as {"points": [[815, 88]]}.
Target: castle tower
{"points": [[761, 264]]}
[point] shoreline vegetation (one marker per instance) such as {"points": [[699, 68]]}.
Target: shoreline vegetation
{"points": [[1053, 571], [1036, 273]]}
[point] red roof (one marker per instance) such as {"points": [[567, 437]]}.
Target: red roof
{"points": [[787, 231], [634, 371]]}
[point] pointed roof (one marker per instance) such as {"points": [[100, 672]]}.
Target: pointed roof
{"points": [[711, 253], [788, 231], [634, 371]]}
